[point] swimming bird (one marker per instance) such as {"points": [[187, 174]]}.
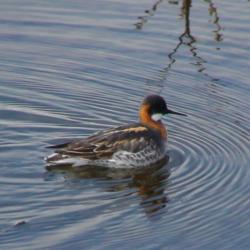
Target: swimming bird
{"points": [[128, 146]]}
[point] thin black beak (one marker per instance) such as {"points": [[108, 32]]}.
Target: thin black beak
{"points": [[174, 113]]}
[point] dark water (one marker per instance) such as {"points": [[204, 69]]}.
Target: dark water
{"points": [[69, 68]]}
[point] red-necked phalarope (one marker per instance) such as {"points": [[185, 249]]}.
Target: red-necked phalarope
{"points": [[129, 146]]}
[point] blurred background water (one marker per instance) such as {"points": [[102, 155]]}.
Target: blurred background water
{"points": [[70, 68]]}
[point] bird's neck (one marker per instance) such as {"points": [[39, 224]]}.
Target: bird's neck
{"points": [[146, 119]]}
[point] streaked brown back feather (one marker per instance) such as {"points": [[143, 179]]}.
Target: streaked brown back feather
{"points": [[104, 144]]}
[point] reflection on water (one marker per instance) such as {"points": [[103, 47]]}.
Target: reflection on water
{"points": [[149, 13], [185, 9], [150, 183], [185, 39], [218, 36]]}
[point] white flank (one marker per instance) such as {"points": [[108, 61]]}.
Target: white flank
{"points": [[50, 156], [74, 161]]}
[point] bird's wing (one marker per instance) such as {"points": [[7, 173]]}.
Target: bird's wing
{"points": [[104, 144]]}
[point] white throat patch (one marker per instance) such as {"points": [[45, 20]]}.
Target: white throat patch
{"points": [[157, 117]]}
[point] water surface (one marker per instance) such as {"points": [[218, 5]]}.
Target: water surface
{"points": [[69, 69]]}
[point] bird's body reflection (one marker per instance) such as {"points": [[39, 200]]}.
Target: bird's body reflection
{"points": [[149, 184]]}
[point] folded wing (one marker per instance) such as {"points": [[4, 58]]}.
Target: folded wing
{"points": [[104, 144]]}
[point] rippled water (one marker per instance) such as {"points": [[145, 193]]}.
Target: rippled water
{"points": [[69, 68]]}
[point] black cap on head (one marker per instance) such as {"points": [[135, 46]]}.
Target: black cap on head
{"points": [[158, 105]]}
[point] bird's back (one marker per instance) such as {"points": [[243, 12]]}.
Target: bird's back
{"points": [[134, 145]]}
